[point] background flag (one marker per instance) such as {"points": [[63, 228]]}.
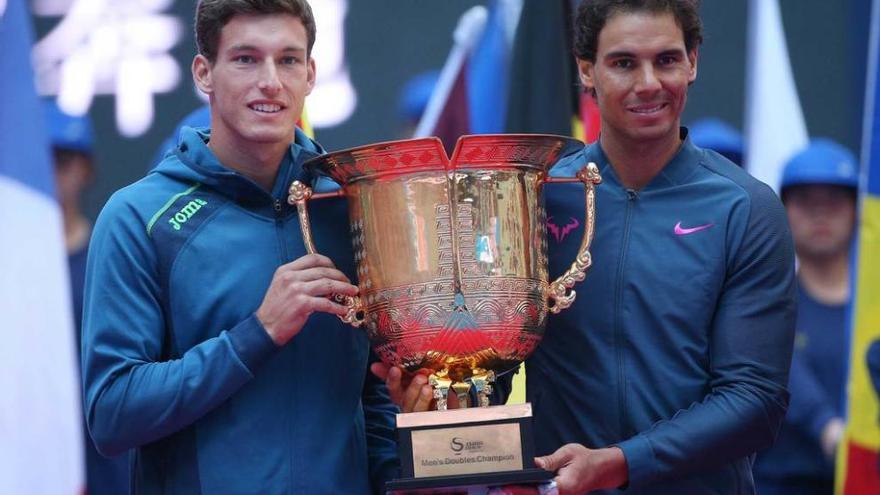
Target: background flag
{"points": [[552, 103], [858, 468], [40, 418], [471, 93], [775, 127], [447, 115]]}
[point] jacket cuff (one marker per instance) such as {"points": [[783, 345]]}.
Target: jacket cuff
{"points": [[251, 342], [818, 422], [640, 460]]}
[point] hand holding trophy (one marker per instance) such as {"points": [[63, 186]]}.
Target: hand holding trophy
{"points": [[452, 269]]}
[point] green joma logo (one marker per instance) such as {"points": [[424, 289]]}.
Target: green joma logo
{"points": [[186, 213]]}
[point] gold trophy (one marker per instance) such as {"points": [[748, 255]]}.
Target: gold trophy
{"points": [[451, 261]]}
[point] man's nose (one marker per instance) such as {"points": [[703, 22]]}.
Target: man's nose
{"points": [[269, 80], [647, 79]]}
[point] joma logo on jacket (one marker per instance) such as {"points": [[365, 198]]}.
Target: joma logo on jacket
{"points": [[186, 213]]}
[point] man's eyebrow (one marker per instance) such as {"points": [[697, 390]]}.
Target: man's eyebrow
{"points": [[242, 48], [294, 49], [676, 52], [251, 48], [619, 54], [630, 54]]}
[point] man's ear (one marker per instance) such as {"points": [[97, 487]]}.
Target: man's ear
{"points": [[692, 58], [312, 75], [201, 72], [587, 75]]}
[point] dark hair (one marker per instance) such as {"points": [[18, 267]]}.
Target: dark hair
{"points": [[212, 15], [593, 14]]}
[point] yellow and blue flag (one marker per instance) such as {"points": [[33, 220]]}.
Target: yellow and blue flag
{"points": [[858, 465]]}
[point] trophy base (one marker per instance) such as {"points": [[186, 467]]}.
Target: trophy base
{"points": [[467, 482], [484, 446]]}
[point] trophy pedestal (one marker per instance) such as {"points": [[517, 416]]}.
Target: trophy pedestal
{"points": [[461, 448]]}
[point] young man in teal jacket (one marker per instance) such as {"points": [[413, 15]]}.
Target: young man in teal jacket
{"points": [[669, 371], [210, 345]]}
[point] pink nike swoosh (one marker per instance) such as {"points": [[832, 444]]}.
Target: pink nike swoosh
{"points": [[679, 230]]}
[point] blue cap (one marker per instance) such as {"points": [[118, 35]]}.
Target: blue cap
{"points": [[67, 131], [822, 162], [717, 135], [415, 95]]}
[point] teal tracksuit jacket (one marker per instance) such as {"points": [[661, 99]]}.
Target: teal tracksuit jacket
{"points": [[176, 365]]}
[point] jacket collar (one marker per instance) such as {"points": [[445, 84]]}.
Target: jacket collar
{"points": [[676, 172], [201, 165]]}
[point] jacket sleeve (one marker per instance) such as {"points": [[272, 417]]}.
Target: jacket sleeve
{"points": [[379, 416], [810, 408], [133, 393], [750, 341]]}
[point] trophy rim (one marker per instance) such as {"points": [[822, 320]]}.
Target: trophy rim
{"points": [[320, 165]]}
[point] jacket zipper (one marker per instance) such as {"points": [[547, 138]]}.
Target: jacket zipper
{"points": [[283, 248], [631, 197]]}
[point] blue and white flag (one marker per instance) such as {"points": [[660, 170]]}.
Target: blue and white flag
{"points": [[40, 415]]}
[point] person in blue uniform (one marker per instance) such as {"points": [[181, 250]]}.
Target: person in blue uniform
{"points": [[669, 371], [72, 140], [819, 188], [210, 345]]}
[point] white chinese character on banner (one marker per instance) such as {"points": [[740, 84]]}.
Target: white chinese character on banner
{"points": [[118, 47]]}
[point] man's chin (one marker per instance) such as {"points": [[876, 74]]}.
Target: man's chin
{"points": [[271, 137]]}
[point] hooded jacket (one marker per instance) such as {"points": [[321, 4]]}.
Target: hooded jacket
{"points": [[176, 364]]}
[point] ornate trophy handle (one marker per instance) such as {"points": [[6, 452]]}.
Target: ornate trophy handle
{"points": [[561, 292], [299, 195]]}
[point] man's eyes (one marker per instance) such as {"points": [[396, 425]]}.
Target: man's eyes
{"points": [[250, 59], [628, 63]]}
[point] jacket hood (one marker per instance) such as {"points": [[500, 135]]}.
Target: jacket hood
{"points": [[192, 161]]}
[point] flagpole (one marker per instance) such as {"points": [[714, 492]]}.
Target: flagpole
{"points": [[467, 32]]}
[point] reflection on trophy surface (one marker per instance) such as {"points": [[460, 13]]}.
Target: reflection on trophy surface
{"points": [[452, 253]]}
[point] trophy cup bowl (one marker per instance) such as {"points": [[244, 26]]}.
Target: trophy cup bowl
{"points": [[451, 259]]}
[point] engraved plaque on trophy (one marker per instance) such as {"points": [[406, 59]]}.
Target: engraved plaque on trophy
{"points": [[451, 261]]}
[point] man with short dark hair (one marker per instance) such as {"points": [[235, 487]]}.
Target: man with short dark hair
{"points": [[668, 373], [210, 343]]}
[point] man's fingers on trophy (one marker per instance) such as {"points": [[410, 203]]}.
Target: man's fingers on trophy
{"points": [[381, 370], [325, 305], [319, 272], [418, 394], [393, 377], [311, 260], [326, 286], [567, 462], [554, 461]]}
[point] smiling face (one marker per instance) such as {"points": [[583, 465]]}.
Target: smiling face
{"points": [[640, 77], [258, 83]]}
